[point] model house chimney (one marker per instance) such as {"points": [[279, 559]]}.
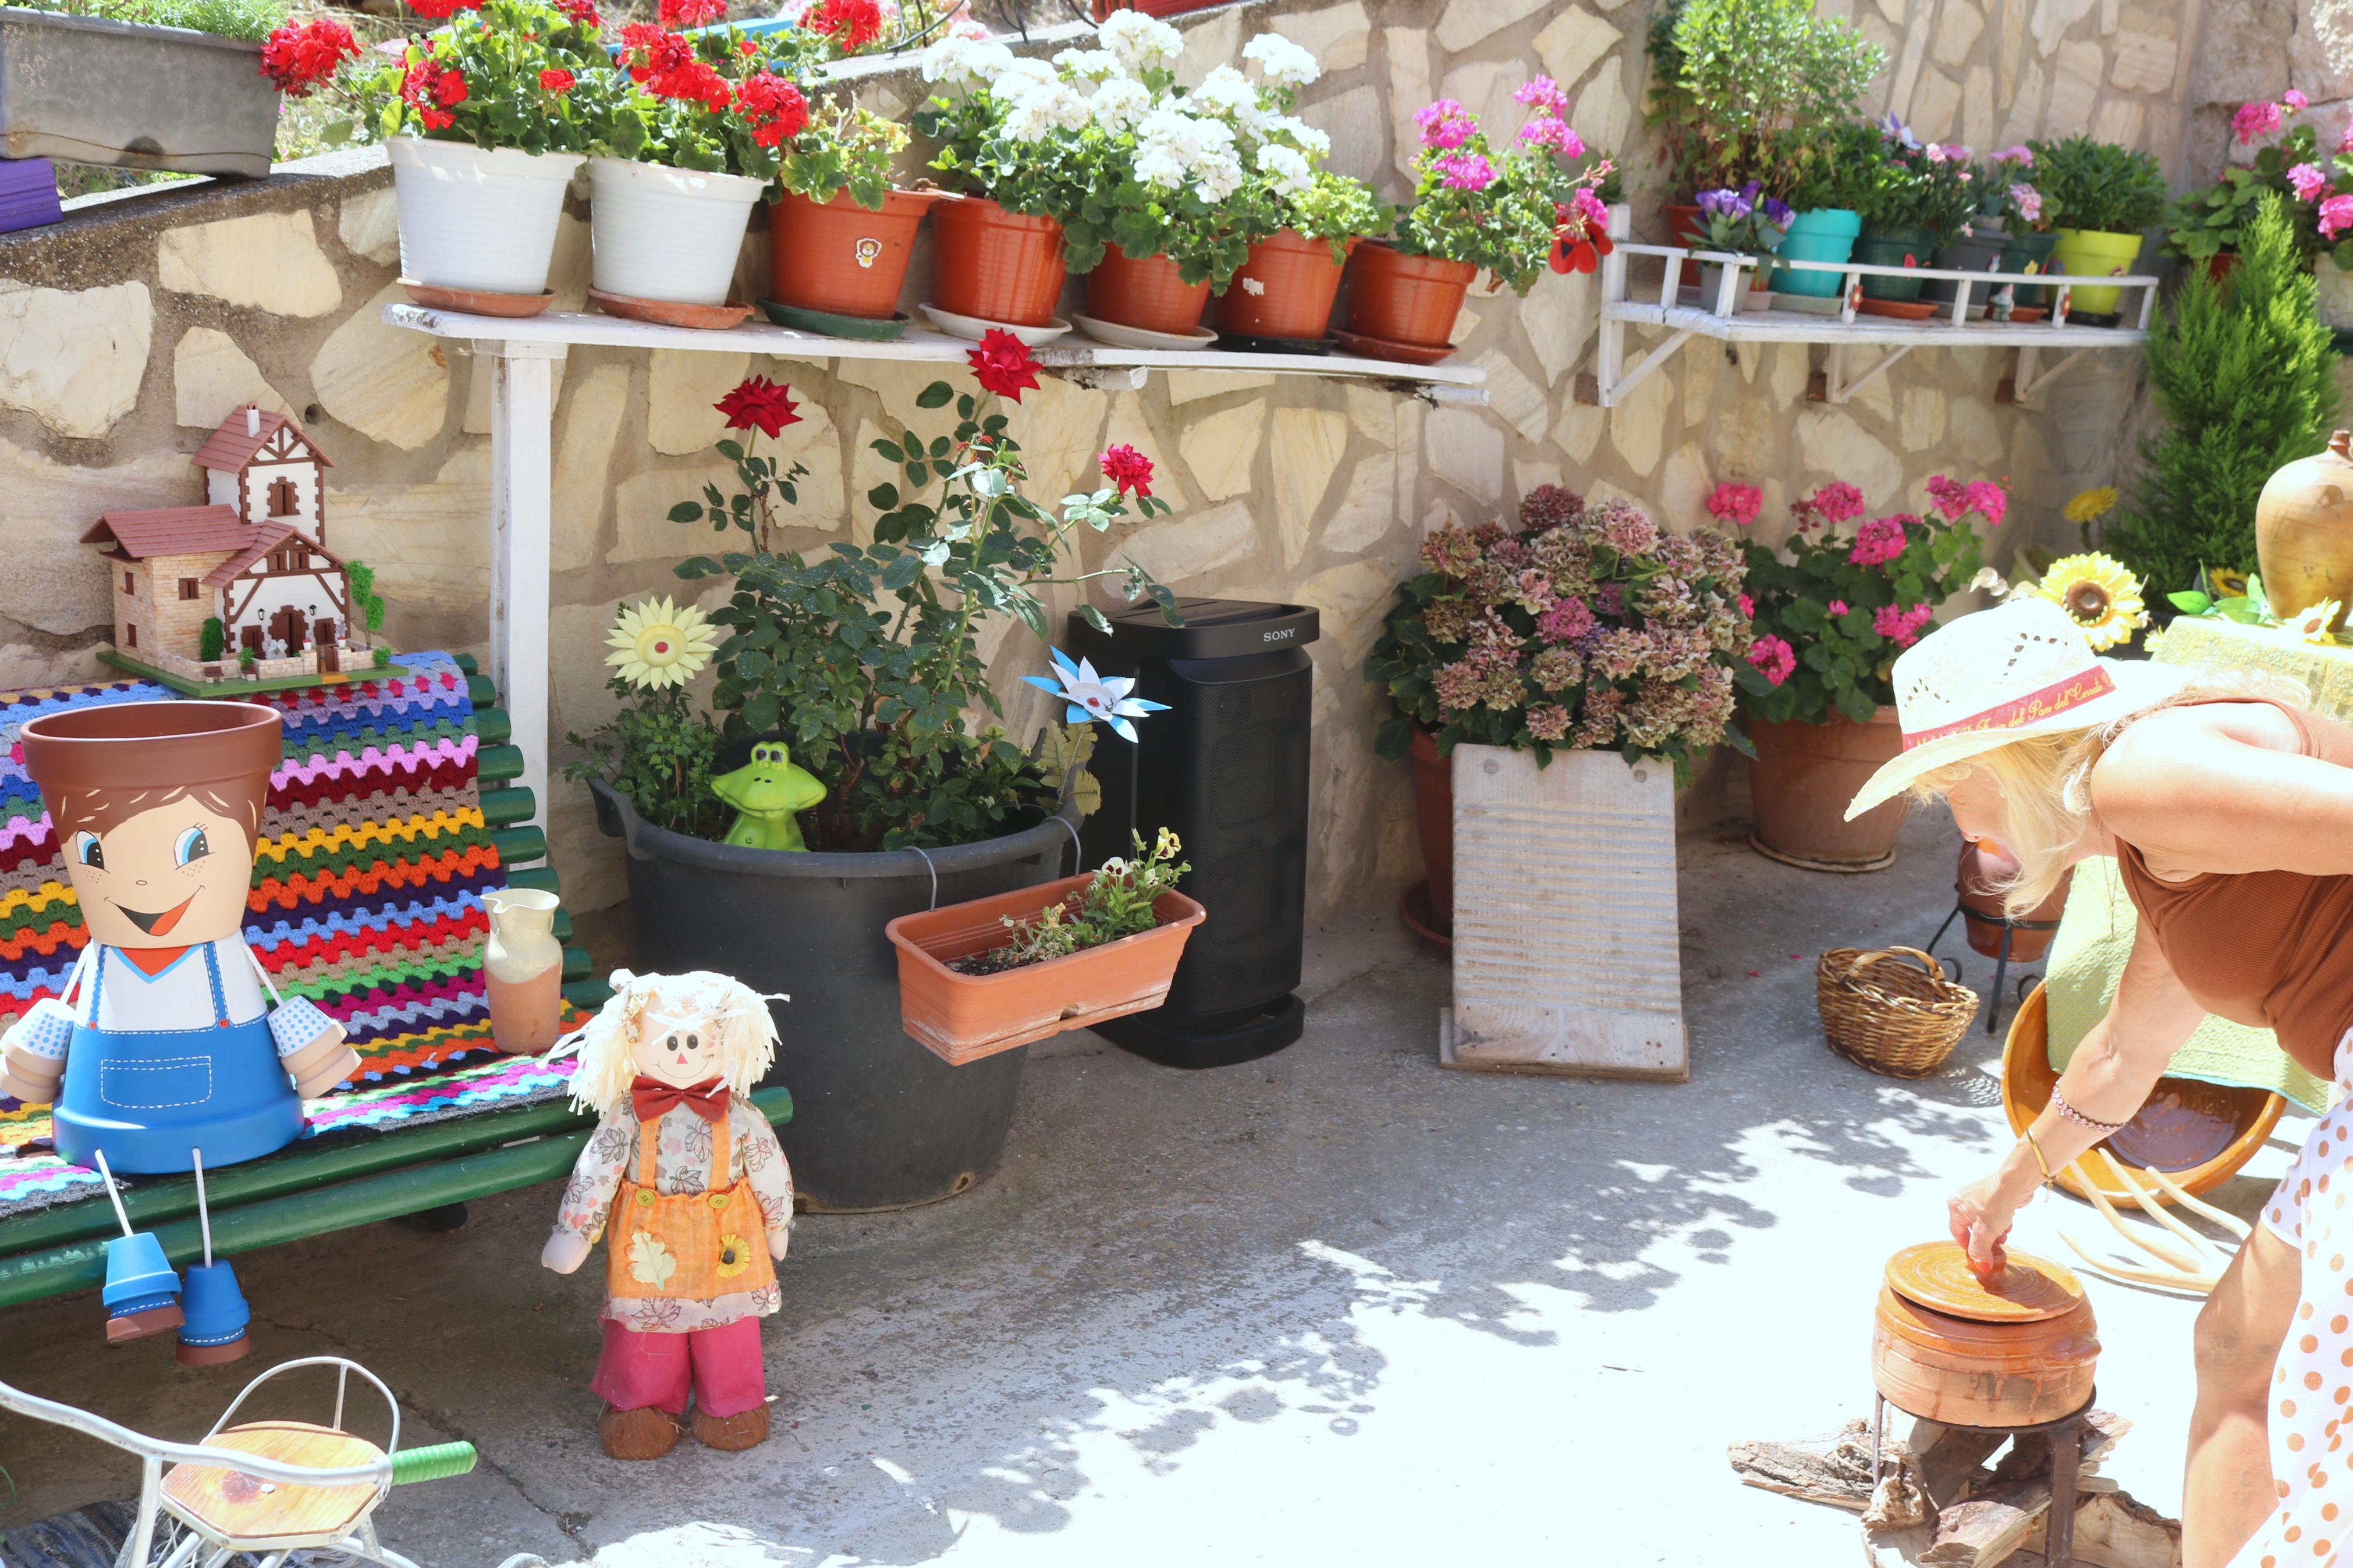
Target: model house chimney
{"points": [[252, 419]]}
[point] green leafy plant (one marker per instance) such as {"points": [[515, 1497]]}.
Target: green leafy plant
{"points": [[1336, 209], [212, 639], [365, 599], [246, 659], [1117, 903], [1500, 211], [382, 656], [250, 20], [1833, 609], [1741, 74], [662, 753], [2099, 186], [1010, 130], [845, 147], [1833, 166], [2225, 596], [2006, 191], [2245, 374], [514, 73], [1586, 628], [1921, 185], [2202, 223]]}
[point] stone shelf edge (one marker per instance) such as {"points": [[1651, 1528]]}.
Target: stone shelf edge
{"points": [[522, 353]]}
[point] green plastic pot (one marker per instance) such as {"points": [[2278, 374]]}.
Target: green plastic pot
{"points": [[1825, 233], [2028, 253], [1906, 247], [2092, 253]]}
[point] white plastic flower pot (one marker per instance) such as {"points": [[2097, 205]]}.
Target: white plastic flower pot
{"points": [[666, 234], [473, 218]]}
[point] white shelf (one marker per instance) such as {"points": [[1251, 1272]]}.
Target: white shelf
{"points": [[1073, 354], [1777, 326]]}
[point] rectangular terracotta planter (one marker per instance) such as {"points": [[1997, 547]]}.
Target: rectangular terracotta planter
{"points": [[964, 1017]]}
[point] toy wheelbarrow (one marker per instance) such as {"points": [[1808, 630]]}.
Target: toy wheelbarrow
{"points": [[269, 1488]]}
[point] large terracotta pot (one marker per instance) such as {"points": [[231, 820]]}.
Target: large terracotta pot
{"points": [[1804, 776], [1285, 289], [1145, 293], [1982, 870], [1433, 819], [2304, 531], [842, 258], [995, 264], [1404, 298]]}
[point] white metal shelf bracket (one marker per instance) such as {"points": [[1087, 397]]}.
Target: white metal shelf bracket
{"points": [[2029, 382], [1839, 385]]}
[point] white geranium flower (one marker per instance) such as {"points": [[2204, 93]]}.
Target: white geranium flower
{"points": [[1089, 65], [1034, 109], [949, 60], [1285, 169], [1024, 70], [1282, 62], [1119, 103], [1140, 40], [1219, 178], [1172, 133], [1300, 135], [1225, 89]]}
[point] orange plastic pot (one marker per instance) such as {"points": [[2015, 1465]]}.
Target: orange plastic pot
{"points": [[1433, 820], [1801, 780], [1683, 229], [1404, 298], [841, 258], [964, 1017], [1285, 291], [995, 265], [1144, 293]]}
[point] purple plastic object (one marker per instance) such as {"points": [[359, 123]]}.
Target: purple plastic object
{"points": [[28, 194]]}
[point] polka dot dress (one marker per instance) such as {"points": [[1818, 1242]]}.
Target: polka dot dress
{"points": [[2311, 1423]]}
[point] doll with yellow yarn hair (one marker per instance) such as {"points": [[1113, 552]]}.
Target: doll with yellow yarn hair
{"points": [[685, 1179]]}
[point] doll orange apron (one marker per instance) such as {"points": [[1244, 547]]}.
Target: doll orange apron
{"points": [[687, 1246]]}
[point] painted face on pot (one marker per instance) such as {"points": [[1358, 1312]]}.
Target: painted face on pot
{"points": [[171, 876], [677, 1051]]}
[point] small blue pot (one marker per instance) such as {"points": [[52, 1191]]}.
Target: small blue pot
{"points": [[1825, 233], [138, 1277], [216, 1309]]}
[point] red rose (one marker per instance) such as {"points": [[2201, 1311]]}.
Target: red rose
{"points": [[690, 13], [1002, 364], [297, 58], [555, 81], [759, 403], [1128, 468]]}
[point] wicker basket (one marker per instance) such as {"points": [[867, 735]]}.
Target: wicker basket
{"points": [[1880, 1011]]}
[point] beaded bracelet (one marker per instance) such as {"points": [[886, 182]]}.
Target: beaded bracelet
{"points": [[2069, 1113]]}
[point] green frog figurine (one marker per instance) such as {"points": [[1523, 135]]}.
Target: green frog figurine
{"points": [[767, 793]]}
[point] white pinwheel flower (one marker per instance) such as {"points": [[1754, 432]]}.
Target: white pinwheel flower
{"points": [[1096, 697]]}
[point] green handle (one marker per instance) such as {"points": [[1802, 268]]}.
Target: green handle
{"points": [[431, 1464]]}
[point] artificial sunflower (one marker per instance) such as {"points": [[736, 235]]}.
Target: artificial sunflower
{"points": [[2316, 623], [2102, 595], [2091, 505], [735, 1256], [659, 644]]}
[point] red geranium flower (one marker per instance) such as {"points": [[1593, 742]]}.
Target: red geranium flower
{"points": [[1128, 468], [583, 12], [690, 13], [850, 24], [298, 58], [449, 89], [1002, 364], [773, 107], [434, 10], [759, 403], [555, 81]]}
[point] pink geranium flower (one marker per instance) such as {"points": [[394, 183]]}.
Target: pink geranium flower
{"points": [[2307, 182], [1901, 627], [1542, 94], [1464, 171], [1988, 501], [2336, 214], [1950, 496], [2253, 120], [1735, 503], [1838, 501], [1747, 607], [1445, 125], [1878, 542], [2294, 101], [1774, 659], [1838, 607]]}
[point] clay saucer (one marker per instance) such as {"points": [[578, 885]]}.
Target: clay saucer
{"points": [[2029, 1289], [670, 313], [1364, 347], [477, 301], [1902, 310]]}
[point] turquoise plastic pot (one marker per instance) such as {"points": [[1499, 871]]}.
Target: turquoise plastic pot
{"points": [[1825, 233], [1895, 247]]}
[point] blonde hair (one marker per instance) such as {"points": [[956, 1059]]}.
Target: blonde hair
{"points": [[726, 1009], [2046, 800]]}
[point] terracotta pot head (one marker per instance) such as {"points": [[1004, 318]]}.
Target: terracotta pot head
{"points": [[157, 807]]}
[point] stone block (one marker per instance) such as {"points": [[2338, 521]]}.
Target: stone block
{"points": [[1699, 390], [1974, 434], [1638, 424], [1572, 41], [1485, 88], [1306, 450], [1977, 106], [430, 543], [2143, 58], [1189, 546], [2242, 52], [268, 261], [1465, 22], [1406, 49], [1353, 121], [1684, 485], [2074, 87], [1936, 107], [1353, 600], [1792, 367], [1056, 423], [1578, 431], [1340, 36], [1527, 476], [74, 358], [1922, 425], [642, 530], [212, 377], [1373, 411], [1466, 321], [2022, 119], [2320, 52], [1557, 320], [1211, 40], [1466, 449], [1603, 114], [590, 432], [1958, 26], [1192, 386], [1367, 509], [1833, 445], [1512, 397], [2119, 121], [388, 383], [1743, 439], [369, 226], [682, 388], [816, 444], [1219, 449], [2053, 19], [54, 582]]}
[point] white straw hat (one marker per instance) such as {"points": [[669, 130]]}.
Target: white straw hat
{"points": [[2000, 675]]}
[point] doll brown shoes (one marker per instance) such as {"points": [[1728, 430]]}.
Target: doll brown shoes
{"points": [[646, 1433], [746, 1429]]}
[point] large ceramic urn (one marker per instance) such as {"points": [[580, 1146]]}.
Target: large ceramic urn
{"points": [[2304, 531]]}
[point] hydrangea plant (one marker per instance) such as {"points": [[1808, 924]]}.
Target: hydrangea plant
{"points": [[1584, 627]]}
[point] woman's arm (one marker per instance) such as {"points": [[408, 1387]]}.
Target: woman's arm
{"points": [[2108, 1079], [2225, 786]]}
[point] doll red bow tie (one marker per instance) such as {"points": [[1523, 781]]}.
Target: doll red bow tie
{"points": [[653, 1099]]}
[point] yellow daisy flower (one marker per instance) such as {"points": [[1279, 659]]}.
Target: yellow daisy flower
{"points": [[2090, 505], [735, 1256], [659, 644], [2100, 594], [2316, 623]]}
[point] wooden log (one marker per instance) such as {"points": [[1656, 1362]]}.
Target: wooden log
{"points": [[2112, 1530], [1836, 1472], [1988, 1527], [1948, 1459]]}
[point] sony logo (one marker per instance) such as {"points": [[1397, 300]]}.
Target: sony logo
{"points": [[1285, 635]]}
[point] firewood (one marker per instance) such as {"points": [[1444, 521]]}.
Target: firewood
{"points": [[2113, 1531], [1988, 1528], [1949, 1458], [1834, 1470]]}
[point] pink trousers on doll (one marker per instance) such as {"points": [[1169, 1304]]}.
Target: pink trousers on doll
{"points": [[722, 1365]]}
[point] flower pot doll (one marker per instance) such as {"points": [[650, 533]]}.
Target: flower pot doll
{"points": [[160, 1053], [684, 1176]]}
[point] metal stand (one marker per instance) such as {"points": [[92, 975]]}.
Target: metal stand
{"points": [[2010, 929], [2066, 1437]]}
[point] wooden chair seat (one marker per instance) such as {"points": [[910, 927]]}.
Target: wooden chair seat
{"points": [[237, 1507]]}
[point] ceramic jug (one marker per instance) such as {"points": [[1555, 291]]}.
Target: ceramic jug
{"points": [[2304, 531], [522, 970]]}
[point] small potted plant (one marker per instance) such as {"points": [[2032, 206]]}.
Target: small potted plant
{"points": [[1831, 611], [1924, 197], [479, 120], [844, 29], [839, 233], [1834, 172], [2203, 227], [1474, 208], [2029, 215], [2107, 196], [1584, 627], [1745, 222]]}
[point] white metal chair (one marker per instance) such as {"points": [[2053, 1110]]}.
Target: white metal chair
{"points": [[269, 1488]]}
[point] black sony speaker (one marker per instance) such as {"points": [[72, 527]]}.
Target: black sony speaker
{"points": [[1226, 769]]}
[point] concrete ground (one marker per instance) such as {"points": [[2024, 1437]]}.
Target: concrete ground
{"points": [[1337, 1306]]}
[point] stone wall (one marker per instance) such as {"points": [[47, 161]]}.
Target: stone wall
{"points": [[127, 334]]}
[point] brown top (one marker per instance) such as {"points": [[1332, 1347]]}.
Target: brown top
{"points": [[2271, 949]]}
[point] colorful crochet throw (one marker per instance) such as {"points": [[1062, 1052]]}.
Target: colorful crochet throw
{"points": [[366, 898]]}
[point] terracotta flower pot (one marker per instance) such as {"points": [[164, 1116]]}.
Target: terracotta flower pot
{"points": [[964, 1017], [995, 264], [1144, 293], [1285, 291], [1804, 776], [1683, 229], [1433, 819], [1404, 298], [841, 258], [1982, 870]]}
